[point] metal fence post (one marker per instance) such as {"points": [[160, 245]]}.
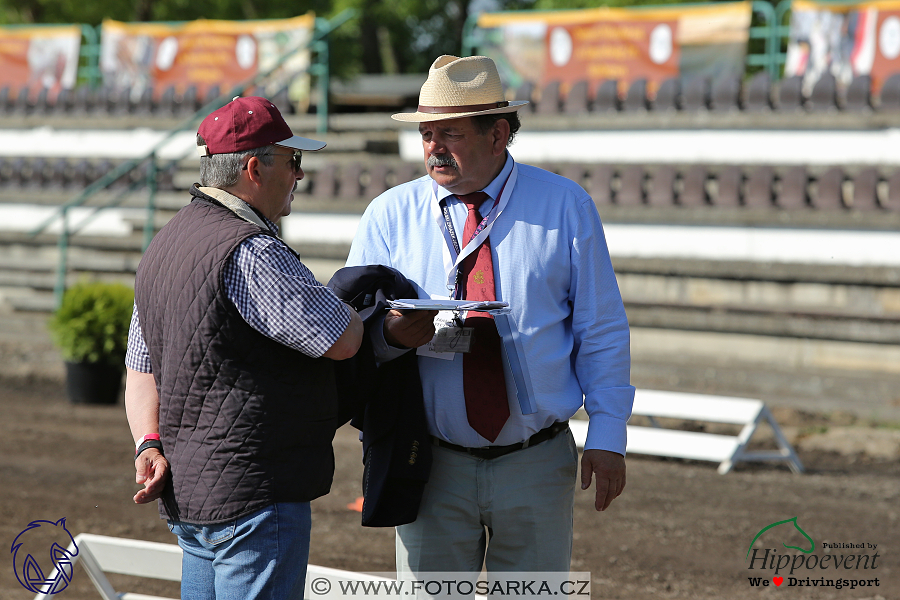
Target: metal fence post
{"points": [[62, 266], [150, 225], [323, 68], [779, 32]]}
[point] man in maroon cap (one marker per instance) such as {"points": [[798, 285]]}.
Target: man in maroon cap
{"points": [[230, 390]]}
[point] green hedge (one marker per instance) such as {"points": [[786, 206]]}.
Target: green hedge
{"points": [[92, 323]]}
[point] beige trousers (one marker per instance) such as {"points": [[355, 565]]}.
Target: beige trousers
{"points": [[512, 513]]}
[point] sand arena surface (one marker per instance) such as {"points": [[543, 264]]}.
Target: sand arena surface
{"points": [[680, 530]]}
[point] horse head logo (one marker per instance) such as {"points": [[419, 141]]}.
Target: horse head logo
{"points": [[793, 521], [42, 566]]}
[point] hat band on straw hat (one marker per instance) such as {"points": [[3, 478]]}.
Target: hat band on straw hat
{"points": [[460, 109]]}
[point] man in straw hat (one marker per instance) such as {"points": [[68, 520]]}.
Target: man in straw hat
{"points": [[230, 389], [482, 227]]}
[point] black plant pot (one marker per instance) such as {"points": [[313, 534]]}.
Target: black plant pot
{"points": [[93, 383]]}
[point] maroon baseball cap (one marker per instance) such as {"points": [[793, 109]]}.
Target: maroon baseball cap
{"points": [[247, 123]]}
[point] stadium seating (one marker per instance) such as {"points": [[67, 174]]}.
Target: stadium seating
{"points": [[786, 187], [630, 191], [577, 101], [759, 192], [636, 99], [830, 193], [668, 96], [693, 192], [865, 193], [549, 103], [792, 192], [859, 94], [662, 186], [725, 93], [890, 94], [695, 94], [824, 94], [607, 97], [759, 93]]}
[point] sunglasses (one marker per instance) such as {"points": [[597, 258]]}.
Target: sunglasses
{"points": [[296, 157]]}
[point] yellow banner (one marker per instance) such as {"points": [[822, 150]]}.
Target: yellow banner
{"points": [[206, 53], [622, 44]]}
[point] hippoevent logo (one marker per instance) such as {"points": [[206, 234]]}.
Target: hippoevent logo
{"points": [[806, 568], [42, 561]]}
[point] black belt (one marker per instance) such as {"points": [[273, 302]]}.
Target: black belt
{"points": [[490, 452]]}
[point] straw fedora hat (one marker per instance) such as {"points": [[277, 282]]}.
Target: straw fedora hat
{"points": [[460, 87]]}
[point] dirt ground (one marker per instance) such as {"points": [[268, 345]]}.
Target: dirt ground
{"points": [[679, 531]]}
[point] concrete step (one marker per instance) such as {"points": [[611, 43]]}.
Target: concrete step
{"points": [[816, 298], [164, 201], [769, 322], [745, 270], [360, 123], [22, 301], [44, 260]]}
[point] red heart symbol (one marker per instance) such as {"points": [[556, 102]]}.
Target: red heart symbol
{"points": [[778, 580]]}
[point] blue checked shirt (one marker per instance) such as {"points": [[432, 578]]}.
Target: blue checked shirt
{"points": [[276, 294]]}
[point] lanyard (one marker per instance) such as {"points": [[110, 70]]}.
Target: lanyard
{"points": [[451, 251], [457, 291]]}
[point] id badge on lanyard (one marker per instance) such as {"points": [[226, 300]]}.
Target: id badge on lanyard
{"points": [[452, 256], [451, 336]]}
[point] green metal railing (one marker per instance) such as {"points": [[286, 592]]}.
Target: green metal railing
{"points": [[318, 43], [89, 63]]}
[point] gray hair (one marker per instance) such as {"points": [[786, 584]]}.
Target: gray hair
{"points": [[223, 170]]}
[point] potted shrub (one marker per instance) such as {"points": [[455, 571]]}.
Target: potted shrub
{"points": [[91, 329]]}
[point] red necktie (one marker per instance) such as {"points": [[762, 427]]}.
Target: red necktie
{"points": [[484, 385]]}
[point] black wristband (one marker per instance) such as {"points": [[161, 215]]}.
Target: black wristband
{"points": [[149, 444]]}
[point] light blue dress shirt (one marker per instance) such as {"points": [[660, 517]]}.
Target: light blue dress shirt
{"points": [[552, 266]]}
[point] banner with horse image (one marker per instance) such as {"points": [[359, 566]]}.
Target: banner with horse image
{"points": [[39, 57], [846, 40], [206, 53]]}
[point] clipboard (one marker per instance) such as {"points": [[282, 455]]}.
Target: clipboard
{"points": [[432, 304]]}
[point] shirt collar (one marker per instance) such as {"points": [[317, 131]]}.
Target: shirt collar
{"points": [[241, 208], [493, 188], [271, 225]]}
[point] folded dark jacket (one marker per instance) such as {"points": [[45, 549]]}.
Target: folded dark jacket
{"points": [[384, 402]]}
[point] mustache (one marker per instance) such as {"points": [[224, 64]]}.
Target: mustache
{"points": [[442, 161]]}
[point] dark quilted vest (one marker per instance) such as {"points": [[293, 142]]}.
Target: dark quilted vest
{"points": [[244, 421]]}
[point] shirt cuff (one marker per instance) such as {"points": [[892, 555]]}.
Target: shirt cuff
{"points": [[383, 351], [606, 433]]}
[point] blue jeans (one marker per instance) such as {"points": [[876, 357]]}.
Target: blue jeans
{"points": [[260, 556]]}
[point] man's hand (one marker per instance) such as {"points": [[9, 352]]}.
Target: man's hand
{"points": [[151, 469], [610, 470], [409, 329]]}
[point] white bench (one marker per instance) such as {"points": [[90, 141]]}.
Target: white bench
{"points": [[723, 449], [100, 554]]}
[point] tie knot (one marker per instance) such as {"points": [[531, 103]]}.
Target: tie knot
{"points": [[473, 200]]}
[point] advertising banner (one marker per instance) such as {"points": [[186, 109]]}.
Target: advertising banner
{"points": [[846, 40], [39, 57], [205, 53], [622, 44]]}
